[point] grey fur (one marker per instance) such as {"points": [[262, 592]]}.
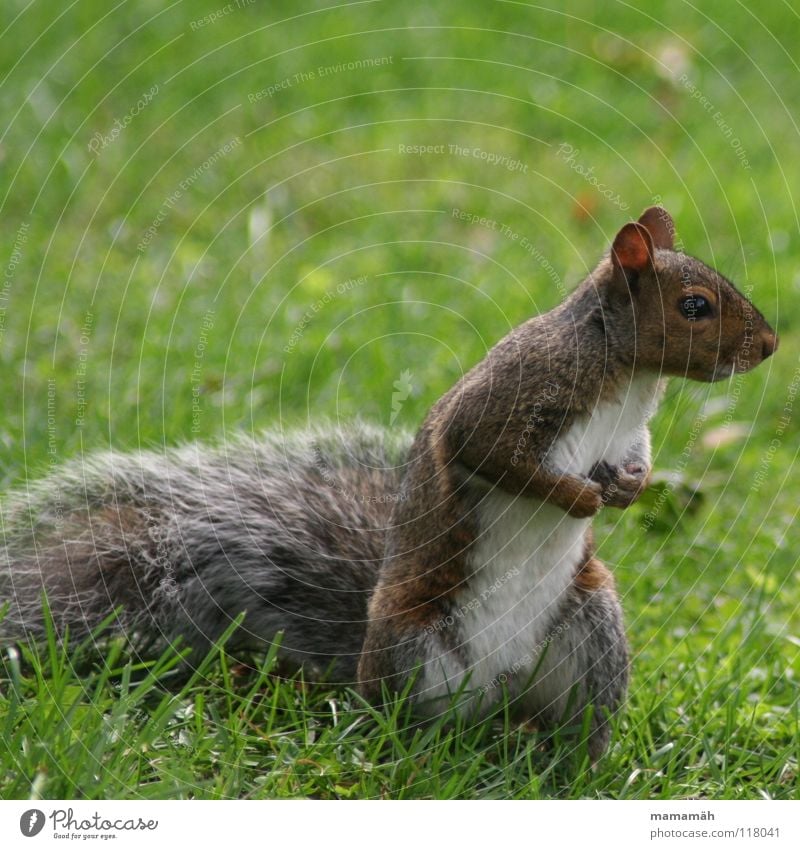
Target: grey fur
{"points": [[289, 529]]}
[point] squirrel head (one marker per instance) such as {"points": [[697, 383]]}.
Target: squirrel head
{"points": [[686, 319]]}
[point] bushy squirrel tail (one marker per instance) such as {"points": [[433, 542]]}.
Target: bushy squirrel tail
{"points": [[289, 531]]}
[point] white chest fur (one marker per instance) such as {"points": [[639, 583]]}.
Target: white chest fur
{"points": [[610, 431], [528, 550]]}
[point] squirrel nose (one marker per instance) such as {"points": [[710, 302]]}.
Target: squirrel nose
{"points": [[769, 344]]}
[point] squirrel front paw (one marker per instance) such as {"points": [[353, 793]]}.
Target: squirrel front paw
{"points": [[621, 485], [587, 501]]}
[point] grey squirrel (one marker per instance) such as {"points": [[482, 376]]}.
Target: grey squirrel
{"points": [[458, 564]]}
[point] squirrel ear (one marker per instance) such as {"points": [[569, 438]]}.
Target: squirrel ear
{"points": [[632, 249], [659, 224]]}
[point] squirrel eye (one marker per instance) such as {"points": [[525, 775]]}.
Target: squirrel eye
{"points": [[695, 306]]}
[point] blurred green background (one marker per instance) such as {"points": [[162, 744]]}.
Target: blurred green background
{"points": [[218, 217]]}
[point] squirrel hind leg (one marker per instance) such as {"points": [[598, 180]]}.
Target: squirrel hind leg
{"points": [[585, 662]]}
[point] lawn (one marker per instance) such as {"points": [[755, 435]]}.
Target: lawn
{"points": [[225, 218]]}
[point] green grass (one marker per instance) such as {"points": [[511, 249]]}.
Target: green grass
{"points": [[317, 193]]}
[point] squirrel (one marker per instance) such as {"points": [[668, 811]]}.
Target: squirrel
{"points": [[455, 565]]}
